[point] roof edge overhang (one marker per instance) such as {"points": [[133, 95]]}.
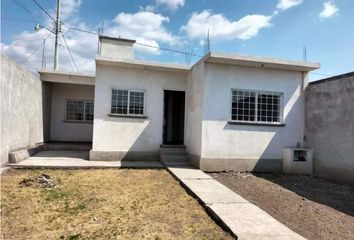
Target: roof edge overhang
{"points": [[141, 64], [117, 39], [259, 62], [66, 77]]}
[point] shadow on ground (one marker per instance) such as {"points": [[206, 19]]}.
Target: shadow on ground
{"points": [[336, 195]]}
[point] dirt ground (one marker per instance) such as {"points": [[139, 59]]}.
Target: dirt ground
{"points": [[314, 208], [101, 204]]}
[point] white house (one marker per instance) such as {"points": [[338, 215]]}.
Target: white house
{"points": [[231, 112]]}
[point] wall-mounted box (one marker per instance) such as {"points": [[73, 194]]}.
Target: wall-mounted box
{"points": [[297, 161]]}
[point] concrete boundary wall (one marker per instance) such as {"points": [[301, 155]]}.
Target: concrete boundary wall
{"points": [[330, 126], [21, 108]]}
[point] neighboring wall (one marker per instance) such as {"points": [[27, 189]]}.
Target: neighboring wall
{"points": [[60, 129], [240, 147], [330, 126], [21, 108], [120, 135], [194, 111]]}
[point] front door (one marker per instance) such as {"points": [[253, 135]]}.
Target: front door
{"points": [[174, 107]]}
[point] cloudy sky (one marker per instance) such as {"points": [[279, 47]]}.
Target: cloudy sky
{"points": [[273, 28]]}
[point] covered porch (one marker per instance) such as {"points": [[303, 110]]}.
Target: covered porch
{"points": [[68, 106]]}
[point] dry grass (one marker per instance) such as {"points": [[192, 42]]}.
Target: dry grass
{"points": [[102, 204]]}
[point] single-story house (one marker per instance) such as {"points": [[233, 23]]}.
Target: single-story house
{"points": [[231, 112]]}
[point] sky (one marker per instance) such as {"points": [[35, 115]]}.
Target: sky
{"points": [[270, 28]]}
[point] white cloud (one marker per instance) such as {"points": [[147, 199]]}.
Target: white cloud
{"points": [[221, 28], [286, 4], [144, 49], [69, 8], [329, 10], [171, 4], [83, 46], [145, 27]]}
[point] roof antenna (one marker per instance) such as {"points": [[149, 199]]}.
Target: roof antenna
{"points": [[98, 40], [207, 44], [102, 28], [304, 55], [188, 56]]}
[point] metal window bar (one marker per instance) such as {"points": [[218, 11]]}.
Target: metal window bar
{"points": [[134, 102], [268, 106], [76, 110]]}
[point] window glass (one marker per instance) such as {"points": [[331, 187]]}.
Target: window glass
{"points": [[89, 111], [136, 103], [75, 110], [127, 102], [119, 102], [256, 106]]}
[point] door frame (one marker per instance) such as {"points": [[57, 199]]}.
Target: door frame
{"points": [[163, 113]]}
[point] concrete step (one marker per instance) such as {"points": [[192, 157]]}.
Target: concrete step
{"points": [[66, 146], [174, 156], [173, 150]]}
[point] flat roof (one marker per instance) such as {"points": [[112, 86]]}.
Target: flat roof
{"points": [[218, 58], [117, 39], [259, 62], [63, 72], [142, 64], [59, 76], [338, 77]]}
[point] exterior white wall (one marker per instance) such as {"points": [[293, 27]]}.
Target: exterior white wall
{"points": [[223, 140], [116, 49], [62, 130], [20, 108], [131, 134], [194, 103]]}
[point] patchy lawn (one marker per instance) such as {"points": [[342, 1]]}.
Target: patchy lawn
{"points": [[102, 204], [314, 208]]}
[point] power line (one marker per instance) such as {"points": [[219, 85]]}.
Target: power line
{"points": [[34, 52], [81, 30], [25, 42], [14, 19], [19, 3], [45, 11], [167, 49], [67, 47], [143, 44]]}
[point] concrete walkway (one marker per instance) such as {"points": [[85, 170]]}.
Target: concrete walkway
{"points": [[77, 159], [244, 219]]}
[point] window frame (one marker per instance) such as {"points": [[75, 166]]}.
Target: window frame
{"points": [[143, 115], [84, 120], [256, 122]]}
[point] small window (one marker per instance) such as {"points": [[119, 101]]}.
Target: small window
{"points": [[127, 102], [79, 110], [256, 106]]}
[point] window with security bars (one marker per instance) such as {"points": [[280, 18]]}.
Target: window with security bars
{"points": [[79, 110], [256, 106], [89, 111], [127, 102]]}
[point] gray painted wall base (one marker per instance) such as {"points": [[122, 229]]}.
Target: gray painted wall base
{"points": [[240, 165], [124, 156]]}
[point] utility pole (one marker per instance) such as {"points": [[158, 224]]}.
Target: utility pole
{"points": [[57, 33]]}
